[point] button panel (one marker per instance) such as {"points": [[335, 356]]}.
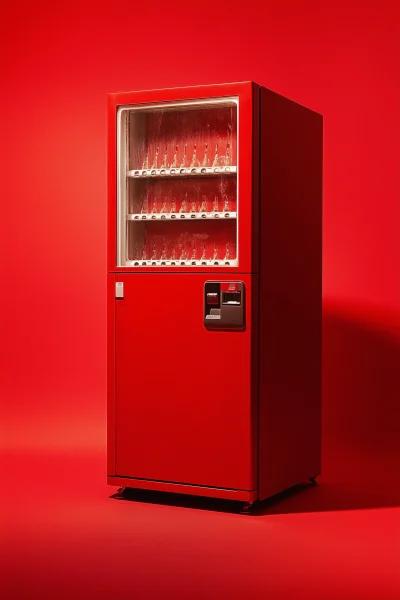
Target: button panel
{"points": [[224, 305]]}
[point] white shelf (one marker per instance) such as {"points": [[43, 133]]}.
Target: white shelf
{"points": [[181, 263], [178, 172], [222, 216]]}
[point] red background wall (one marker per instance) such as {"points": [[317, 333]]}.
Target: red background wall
{"points": [[58, 62]]}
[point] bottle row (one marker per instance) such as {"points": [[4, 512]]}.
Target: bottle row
{"points": [[172, 206], [183, 253], [200, 157]]}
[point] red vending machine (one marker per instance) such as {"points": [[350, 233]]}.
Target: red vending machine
{"points": [[214, 291]]}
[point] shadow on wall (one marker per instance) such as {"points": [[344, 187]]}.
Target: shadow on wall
{"points": [[361, 416]]}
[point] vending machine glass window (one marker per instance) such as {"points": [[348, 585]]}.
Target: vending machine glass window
{"points": [[177, 184]]}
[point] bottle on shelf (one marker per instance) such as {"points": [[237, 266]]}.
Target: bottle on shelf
{"points": [[215, 253], [193, 208], [205, 157], [145, 205], [174, 163], [146, 161], [227, 252], [154, 253], [164, 160], [183, 254], [154, 206], [203, 207], [203, 256], [144, 253], [223, 187], [215, 204], [183, 163], [194, 251], [164, 251], [215, 161], [173, 206], [195, 161], [183, 207], [228, 155], [155, 161], [164, 207]]}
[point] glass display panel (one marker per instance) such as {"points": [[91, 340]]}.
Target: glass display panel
{"points": [[177, 184]]}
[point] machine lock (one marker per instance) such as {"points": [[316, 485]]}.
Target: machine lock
{"points": [[119, 290], [224, 305]]}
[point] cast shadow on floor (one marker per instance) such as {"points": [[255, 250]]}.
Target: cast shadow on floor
{"points": [[302, 498], [361, 443]]}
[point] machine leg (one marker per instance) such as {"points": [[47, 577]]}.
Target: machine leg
{"points": [[313, 481], [120, 492], [247, 508]]}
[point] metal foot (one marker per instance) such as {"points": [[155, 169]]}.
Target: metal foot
{"points": [[247, 508], [313, 481], [120, 492]]}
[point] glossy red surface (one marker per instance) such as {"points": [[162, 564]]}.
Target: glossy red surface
{"points": [[110, 375], [188, 407], [161, 344], [203, 493], [183, 393]]}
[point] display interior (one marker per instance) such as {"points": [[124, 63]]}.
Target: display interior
{"points": [[178, 185]]}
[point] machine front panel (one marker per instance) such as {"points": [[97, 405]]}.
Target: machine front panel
{"points": [[183, 394]]}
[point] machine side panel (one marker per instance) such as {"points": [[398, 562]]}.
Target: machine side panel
{"points": [[255, 180], [290, 305]]}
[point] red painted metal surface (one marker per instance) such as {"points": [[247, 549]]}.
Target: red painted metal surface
{"points": [[215, 412], [290, 294], [183, 394], [110, 374], [248, 95], [192, 490]]}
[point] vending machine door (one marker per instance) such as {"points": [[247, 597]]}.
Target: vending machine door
{"points": [[183, 407]]}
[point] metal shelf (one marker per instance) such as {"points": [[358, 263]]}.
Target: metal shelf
{"points": [[186, 172], [181, 263], [181, 216]]}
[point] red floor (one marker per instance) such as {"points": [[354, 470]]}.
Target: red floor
{"points": [[63, 537]]}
